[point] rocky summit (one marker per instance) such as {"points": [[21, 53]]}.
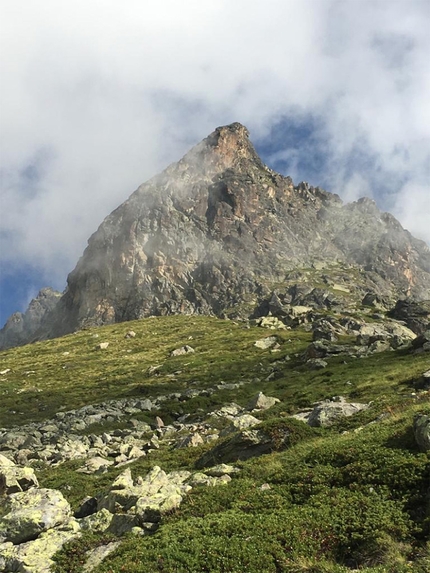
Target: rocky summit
{"points": [[220, 233]]}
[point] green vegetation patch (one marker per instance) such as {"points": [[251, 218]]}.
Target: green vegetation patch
{"points": [[328, 500]]}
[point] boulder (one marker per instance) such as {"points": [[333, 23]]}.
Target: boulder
{"points": [[97, 522], [241, 422], [15, 478], [241, 446], [416, 314], [271, 322], [422, 431], [35, 556], [327, 413], [392, 333], [191, 441], [32, 512], [124, 493], [122, 523], [151, 508], [261, 402], [422, 342], [96, 556], [221, 470], [228, 410], [95, 465], [265, 343], [316, 363], [182, 350], [204, 479]]}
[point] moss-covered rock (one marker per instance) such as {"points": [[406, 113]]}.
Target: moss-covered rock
{"points": [[33, 512], [35, 556]]}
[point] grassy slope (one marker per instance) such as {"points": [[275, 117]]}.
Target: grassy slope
{"points": [[337, 500]]}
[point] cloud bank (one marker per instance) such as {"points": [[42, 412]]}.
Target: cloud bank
{"points": [[98, 96]]}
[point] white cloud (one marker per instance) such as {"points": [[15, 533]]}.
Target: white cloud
{"points": [[99, 95]]}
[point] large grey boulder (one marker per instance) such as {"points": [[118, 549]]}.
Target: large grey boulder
{"points": [[152, 507], [327, 413], [422, 342], [241, 446], [35, 556], [204, 479], [393, 333], [32, 512], [422, 431], [241, 422], [190, 441], [271, 322], [416, 314]]}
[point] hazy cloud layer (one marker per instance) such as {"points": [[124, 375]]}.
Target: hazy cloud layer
{"points": [[99, 95]]}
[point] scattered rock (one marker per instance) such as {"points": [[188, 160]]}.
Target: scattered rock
{"points": [[316, 363], [422, 342], [261, 402], [241, 446], [328, 412], [191, 441], [182, 350], [102, 346], [221, 470], [241, 422], [265, 487], [393, 334], [95, 465], [271, 322], [96, 556], [265, 343], [14, 478]]}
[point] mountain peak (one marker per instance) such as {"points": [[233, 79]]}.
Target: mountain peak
{"points": [[225, 148], [220, 233]]}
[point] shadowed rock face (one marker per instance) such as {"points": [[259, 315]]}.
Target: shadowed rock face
{"points": [[21, 327], [219, 228]]}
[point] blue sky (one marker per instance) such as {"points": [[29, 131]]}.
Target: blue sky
{"points": [[96, 97]]}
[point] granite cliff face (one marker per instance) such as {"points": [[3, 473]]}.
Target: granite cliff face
{"points": [[220, 233]]}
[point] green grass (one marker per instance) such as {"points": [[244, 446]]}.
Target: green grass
{"points": [[351, 496], [43, 379], [335, 502]]}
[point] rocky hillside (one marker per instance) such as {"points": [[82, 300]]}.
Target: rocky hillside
{"points": [[219, 233], [188, 443]]}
